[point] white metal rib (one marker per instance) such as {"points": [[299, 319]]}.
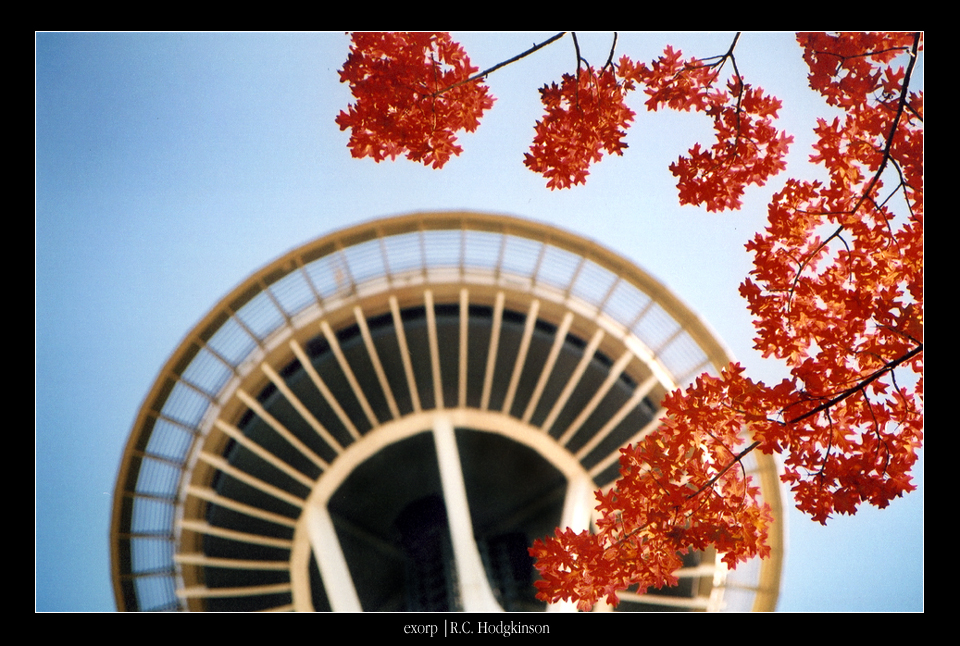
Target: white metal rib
{"points": [[696, 571], [651, 426], [612, 376], [198, 558], [204, 592], [348, 372], [281, 430], [434, 349], [203, 527], [405, 353], [547, 370], [492, 352], [327, 395], [262, 453], [222, 465], [299, 407], [638, 394], [213, 497], [588, 353], [375, 358], [521, 354], [464, 331]]}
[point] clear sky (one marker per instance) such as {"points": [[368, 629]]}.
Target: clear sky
{"points": [[171, 166]]}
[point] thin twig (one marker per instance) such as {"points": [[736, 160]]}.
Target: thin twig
{"points": [[736, 460], [613, 48], [516, 58]]}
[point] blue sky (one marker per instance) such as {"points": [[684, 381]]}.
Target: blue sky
{"points": [[171, 166]]}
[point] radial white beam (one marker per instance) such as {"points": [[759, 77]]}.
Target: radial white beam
{"points": [[212, 496], [573, 380], [547, 370], [200, 591], [612, 377], [492, 352], [298, 405], [348, 373], [464, 329], [198, 558], [375, 359], [262, 453], [521, 355], [224, 466], [205, 528], [327, 395], [281, 430], [434, 349], [405, 354], [642, 391]]}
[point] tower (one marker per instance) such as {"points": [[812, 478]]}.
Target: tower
{"points": [[386, 417]]}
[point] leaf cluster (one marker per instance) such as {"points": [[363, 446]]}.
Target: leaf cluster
{"points": [[411, 96], [585, 116], [837, 286], [836, 291], [748, 148]]}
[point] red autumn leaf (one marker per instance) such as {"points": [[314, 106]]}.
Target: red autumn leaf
{"points": [[411, 99], [585, 116], [836, 291], [844, 311]]}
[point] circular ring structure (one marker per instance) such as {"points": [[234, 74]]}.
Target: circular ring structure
{"points": [[386, 417]]}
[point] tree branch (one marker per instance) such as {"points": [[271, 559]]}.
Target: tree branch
{"points": [[859, 387], [736, 460], [516, 58], [887, 148], [893, 127]]}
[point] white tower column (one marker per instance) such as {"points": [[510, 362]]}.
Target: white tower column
{"points": [[475, 591]]}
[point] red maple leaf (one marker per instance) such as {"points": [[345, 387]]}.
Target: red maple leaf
{"points": [[836, 291], [748, 148], [585, 117], [843, 309], [412, 96]]}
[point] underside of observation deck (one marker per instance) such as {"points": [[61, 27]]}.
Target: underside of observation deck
{"points": [[386, 418]]}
